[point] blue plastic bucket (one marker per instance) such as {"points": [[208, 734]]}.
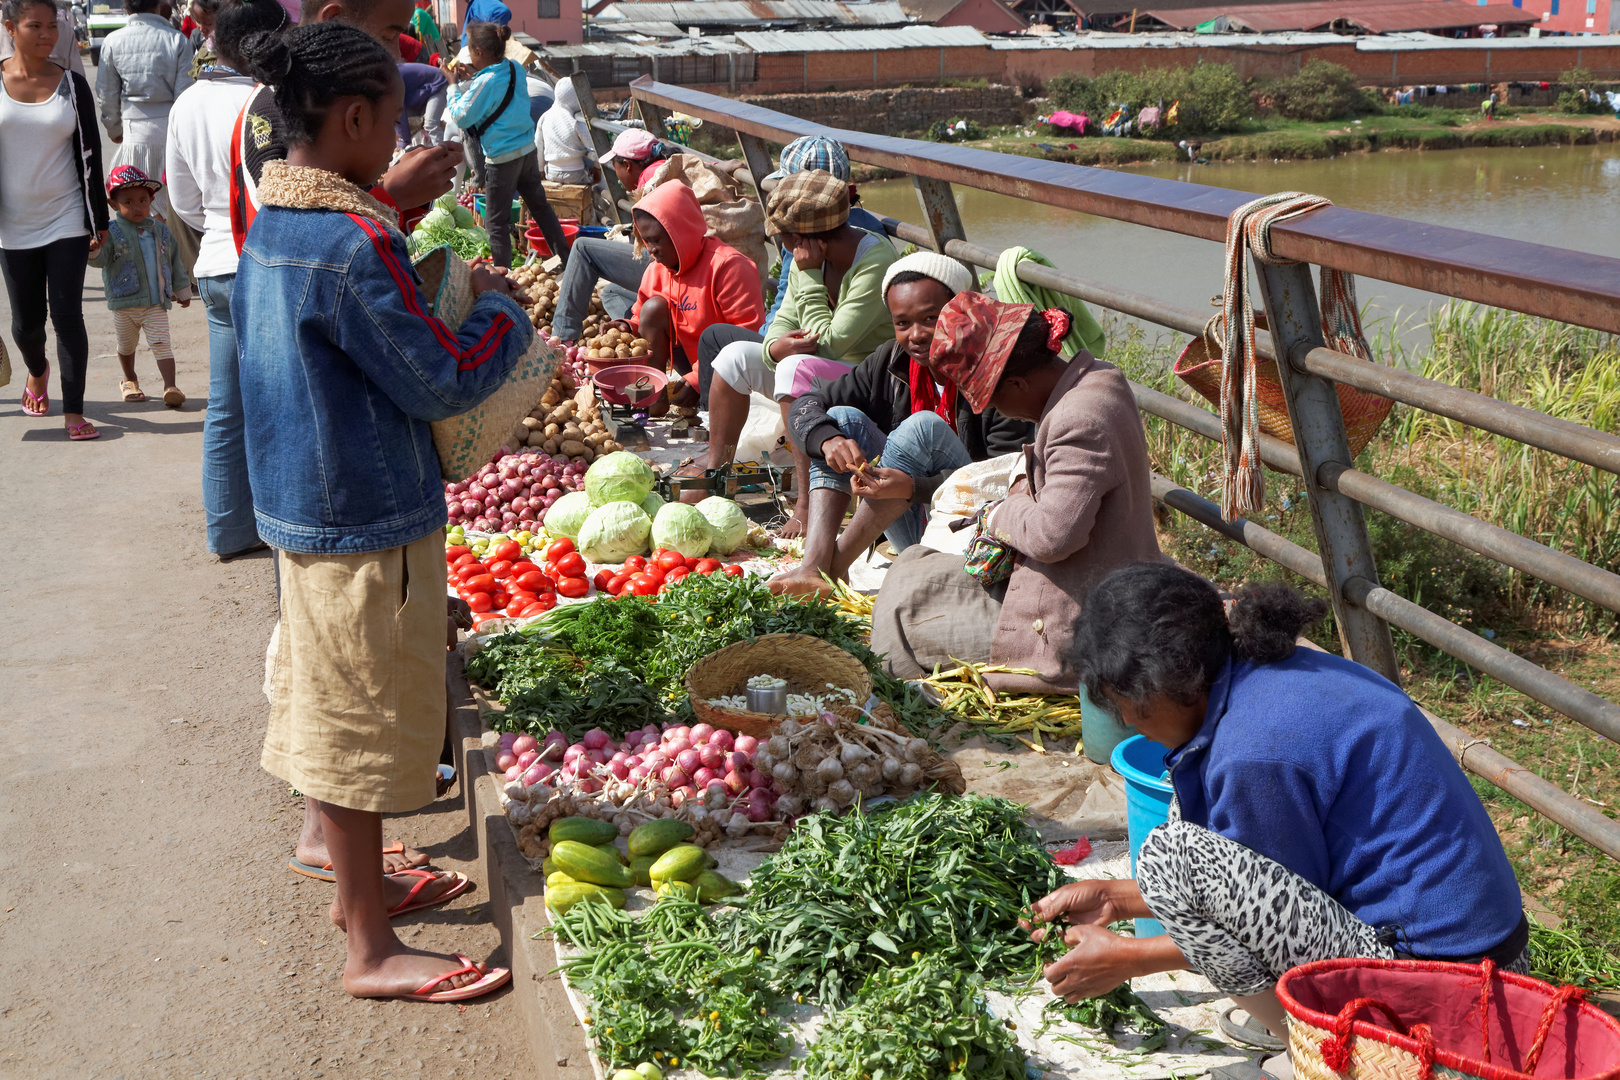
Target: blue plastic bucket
{"points": [[1147, 800], [1100, 731]]}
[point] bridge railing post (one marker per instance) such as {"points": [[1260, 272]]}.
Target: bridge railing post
{"points": [[1313, 410], [601, 140], [944, 221], [757, 155]]}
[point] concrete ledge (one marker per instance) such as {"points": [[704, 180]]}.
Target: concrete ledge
{"points": [[553, 1036]]}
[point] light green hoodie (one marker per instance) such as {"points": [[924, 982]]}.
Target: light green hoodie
{"points": [[860, 322]]}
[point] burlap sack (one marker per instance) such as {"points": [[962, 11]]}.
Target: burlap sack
{"points": [[467, 442], [733, 217]]}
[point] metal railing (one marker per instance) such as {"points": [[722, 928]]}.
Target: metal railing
{"points": [[1567, 286]]}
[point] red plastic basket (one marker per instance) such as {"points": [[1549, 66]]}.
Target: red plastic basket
{"points": [[537, 239], [1403, 1019]]}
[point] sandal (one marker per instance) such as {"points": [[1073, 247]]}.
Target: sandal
{"points": [[173, 398], [410, 903], [324, 873], [37, 404], [494, 979], [83, 432], [131, 390]]}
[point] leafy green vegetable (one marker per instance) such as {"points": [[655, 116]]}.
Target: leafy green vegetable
{"points": [[568, 514], [681, 528], [948, 877], [613, 532], [1120, 1007], [729, 522], [919, 1022], [608, 695], [619, 477]]}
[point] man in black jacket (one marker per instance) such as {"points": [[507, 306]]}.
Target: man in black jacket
{"points": [[890, 408]]}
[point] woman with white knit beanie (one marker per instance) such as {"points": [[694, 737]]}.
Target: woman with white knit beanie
{"points": [[889, 431]]}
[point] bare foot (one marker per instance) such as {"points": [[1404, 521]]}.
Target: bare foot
{"points": [[406, 972], [793, 527], [802, 580], [395, 890], [393, 860]]}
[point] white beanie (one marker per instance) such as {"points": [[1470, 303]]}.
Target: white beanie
{"points": [[948, 272]]}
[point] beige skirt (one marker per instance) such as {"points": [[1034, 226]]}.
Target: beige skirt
{"points": [[357, 708]]}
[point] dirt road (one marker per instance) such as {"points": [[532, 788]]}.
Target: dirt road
{"points": [[148, 924]]}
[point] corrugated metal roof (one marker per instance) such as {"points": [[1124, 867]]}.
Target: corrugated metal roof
{"points": [[909, 37], [1409, 42], [704, 46], [1375, 16], [743, 12], [1162, 41]]}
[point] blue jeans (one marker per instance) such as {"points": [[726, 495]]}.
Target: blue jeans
{"points": [[922, 445], [227, 494], [617, 266]]}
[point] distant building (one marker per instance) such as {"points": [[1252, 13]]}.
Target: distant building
{"points": [[659, 18], [986, 16], [1444, 17], [1573, 16], [550, 22]]}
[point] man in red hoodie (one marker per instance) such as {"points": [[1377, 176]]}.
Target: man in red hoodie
{"points": [[693, 282]]}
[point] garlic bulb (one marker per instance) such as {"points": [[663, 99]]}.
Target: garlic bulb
{"points": [[789, 728], [785, 772], [911, 775], [915, 749], [779, 746], [891, 768], [830, 769], [789, 806], [841, 792], [738, 825], [825, 805]]}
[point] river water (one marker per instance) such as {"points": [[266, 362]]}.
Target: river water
{"points": [[1561, 196]]}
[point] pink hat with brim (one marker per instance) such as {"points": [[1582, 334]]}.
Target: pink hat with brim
{"points": [[632, 145]]}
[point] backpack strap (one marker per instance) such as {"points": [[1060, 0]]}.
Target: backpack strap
{"points": [[477, 130]]}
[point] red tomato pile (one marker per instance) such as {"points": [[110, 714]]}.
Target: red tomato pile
{"points": [[651, 576], [506, 585]]}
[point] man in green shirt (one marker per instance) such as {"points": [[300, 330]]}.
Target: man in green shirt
{"points": [[424, 25], [832, 318]]}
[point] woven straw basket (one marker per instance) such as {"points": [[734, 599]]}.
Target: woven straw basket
{"points": [[1200, 366], [807, 663], [467, 442], [1361, 1019]]}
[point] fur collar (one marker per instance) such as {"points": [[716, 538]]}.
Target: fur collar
{"points": [[300, 187]]}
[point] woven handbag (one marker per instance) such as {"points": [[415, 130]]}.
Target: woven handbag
{"points": [[1200, 365], [5, 365], [467, 442], [1365, 1019]]}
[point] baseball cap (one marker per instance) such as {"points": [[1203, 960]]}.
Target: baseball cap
{"points": [[813, 152], [125, 176], [633, 144]]}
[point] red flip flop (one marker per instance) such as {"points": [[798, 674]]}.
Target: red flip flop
{"points": [[324, 873], [37, 404], [493, 980], [410, 903]]}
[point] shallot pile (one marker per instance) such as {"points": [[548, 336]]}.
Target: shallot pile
{"points": [[512, 491], [828, 763]]}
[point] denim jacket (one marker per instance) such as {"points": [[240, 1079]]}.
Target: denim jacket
{"points": [[124, 271], [342, 369]]}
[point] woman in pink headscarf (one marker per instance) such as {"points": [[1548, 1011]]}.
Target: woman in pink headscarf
{"points": [[1080, 505]]}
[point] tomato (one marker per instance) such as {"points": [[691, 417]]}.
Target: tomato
{"points": [[707, 566], [655, 573], [571, 565], [468, 559], [733, 570], [601, 580], [507, 551], [480, 583], [543, 603], [500, 598], [635, 564], [523, 566], [479, 601], [675, 575], [533, 581], [618, 581], [501, 570], [451, 554], [559, 548], [690, 562], [573, 587], [642, 585], [669, 560], [521, 598]]}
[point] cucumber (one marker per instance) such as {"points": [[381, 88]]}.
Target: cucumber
{"points": [[563, 897], [557, 877], [683, 862], [583, 830], [681, 890], [589, 864], [613, 850], [712, 886], [547, 867], [641, 867], [657, 837]]}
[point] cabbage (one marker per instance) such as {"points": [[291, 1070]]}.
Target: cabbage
{"points": [[727, 521], [567, 514], [618, 477], [683, 528], [437, 219], [447, 201], [463, 216], [652, 504], [614, 532]]}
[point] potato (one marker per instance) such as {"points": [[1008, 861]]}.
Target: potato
{"points": [[519, 431], [572, 448], [530, 423], [611, 447], [549, 446], [551, 397], [552, 430], [536, 438], [595, 440]]}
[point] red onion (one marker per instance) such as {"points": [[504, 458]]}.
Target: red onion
{"points": [[528, 757], [674, 777], [595, 739], [524, 743], [702, 777], [553, 494], [700, 733], [710, 756], [507, 469], [514, 773], [637, 774], [505, 760], [598, 757], [722, 739], [689, 761], [757, 779], [536, 773], [619, 770], [508, 738], [590, 785], [747, 744], [575, 751], [736, 783], [656, 761], [477, 491], [737, 762], [471, 506], [677, 745]]}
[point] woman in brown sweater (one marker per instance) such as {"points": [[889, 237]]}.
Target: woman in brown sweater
{"points": [[1082, 506]]}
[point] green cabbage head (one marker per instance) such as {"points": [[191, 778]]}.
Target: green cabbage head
{"points": [[618, 477], [567, 514], [652, 504], [726, 519], [614, 532], [683, 528]]}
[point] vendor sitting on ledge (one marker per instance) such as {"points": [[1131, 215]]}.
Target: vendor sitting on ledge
{"points": [[1317, 814], [1082, 508]]}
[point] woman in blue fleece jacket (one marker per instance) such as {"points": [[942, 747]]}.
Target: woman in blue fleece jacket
{"points": [[1317, 814]]}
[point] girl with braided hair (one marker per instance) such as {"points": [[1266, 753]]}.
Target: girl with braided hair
{"points": [[1080, 505], [341, 377]]}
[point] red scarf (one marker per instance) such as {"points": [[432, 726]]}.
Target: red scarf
{"points": [[925, 396]]}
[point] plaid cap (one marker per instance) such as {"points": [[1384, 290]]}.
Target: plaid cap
{"points": [[807, 203], [972, 341], [632, 144], [125, 176], [809, 152]]}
